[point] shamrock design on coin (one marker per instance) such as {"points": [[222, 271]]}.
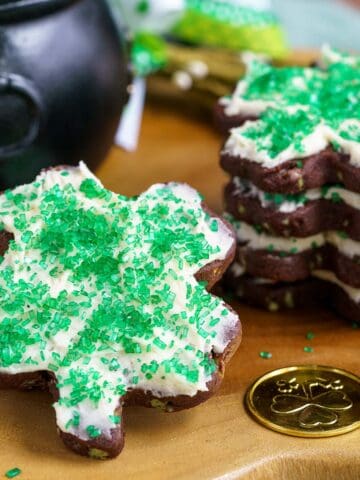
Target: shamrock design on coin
{"points": [[315, 402]]}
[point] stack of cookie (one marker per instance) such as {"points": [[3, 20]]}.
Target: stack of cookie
{"points": [[294, 196]]}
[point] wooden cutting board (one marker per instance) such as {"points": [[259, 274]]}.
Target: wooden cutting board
{"points": [[217, 440]]}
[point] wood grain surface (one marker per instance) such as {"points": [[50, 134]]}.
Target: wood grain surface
{"points": [[217, 440]]}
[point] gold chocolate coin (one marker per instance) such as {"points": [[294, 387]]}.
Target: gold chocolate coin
{"points": [[306, 401]]}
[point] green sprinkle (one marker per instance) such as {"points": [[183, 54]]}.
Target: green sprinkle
{"points": [[14, 472], [213, 322], [192, 376], [115, 419], [65, 173], [342, 234], [92, 189], [159, 343], [93, 432], [310, 335], [308, 349], [325, 190], [336, 198], [26, 237], [214, 226], [336, 146], [265, 354]]}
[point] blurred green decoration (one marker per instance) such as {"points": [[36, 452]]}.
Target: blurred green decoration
{"points": [[149, 53], [226, 24], [196, 44]]}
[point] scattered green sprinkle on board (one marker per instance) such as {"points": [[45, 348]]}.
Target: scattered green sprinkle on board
{"points": [[310, 335], [308, 349], [14, 472], [265, 354]]}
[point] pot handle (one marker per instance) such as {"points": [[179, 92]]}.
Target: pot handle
{"points": [[18, 86]]}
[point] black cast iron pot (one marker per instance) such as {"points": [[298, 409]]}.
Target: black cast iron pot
{"points": [[63, 84]]}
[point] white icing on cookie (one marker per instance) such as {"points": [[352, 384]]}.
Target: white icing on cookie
{"points": [[248, 189], [248, 235], [100, 289], [239, 145], [353, 293]]}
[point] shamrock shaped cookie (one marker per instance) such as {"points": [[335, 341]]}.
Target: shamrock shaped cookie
{"points": [[104, 300]]}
